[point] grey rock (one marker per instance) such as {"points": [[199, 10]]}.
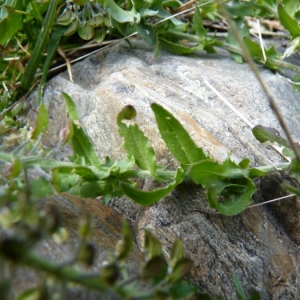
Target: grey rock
{"points": [[261, 244]]}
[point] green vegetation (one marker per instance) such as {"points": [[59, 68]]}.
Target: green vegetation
{"points": [[28, 54]]}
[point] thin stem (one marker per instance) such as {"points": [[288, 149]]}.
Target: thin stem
{"points": [[270, 201], [67, 273]]}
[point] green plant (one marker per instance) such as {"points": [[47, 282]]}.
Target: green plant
{"points": [[161, 23], [229, 190], [229, 185]]}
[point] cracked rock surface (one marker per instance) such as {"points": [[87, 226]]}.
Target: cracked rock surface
{"points": [[261, 245]]}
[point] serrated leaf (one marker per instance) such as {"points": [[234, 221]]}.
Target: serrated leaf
{"points": [[182, 268], [135, 142], [226, 182], [176, 137], [82, 146], [148, 198], [63, 182], [256, 52], [92, 189], [41, 122], [290, 24]]}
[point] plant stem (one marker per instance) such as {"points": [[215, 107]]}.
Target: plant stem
{"points": [[66, 273]]}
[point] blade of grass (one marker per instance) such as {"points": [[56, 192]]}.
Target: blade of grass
{"points": [[40, 46]]}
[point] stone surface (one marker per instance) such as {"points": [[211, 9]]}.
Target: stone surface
{"points": [[261, 244]]}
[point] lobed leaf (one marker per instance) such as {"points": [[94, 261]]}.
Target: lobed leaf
{"points": [[149, 198], [82, 146], [229, 189]]}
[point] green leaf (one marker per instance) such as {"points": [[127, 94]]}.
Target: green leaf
{"points": [[146, 32], [238, 287], [182, 268], [291, 7], [10, 21], [229, 189], [256, 52], [290, 24], [41, 122], [157, 5], [156, 269], [135, 142], [92, 190], [243, 31], [82, 146], [124, 246], [86, 32], [238, 9], [40, 188], [177, 252], [172, 3], [70, 108], [264, 134], [152, 245], [16, 168], [293, 47], [176, 137], [198, 24], [149, 198], [39, 48], [178, 48], [120, 15], [185, 290]]}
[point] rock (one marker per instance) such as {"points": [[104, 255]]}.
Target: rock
{"points": [[261, 245]]}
